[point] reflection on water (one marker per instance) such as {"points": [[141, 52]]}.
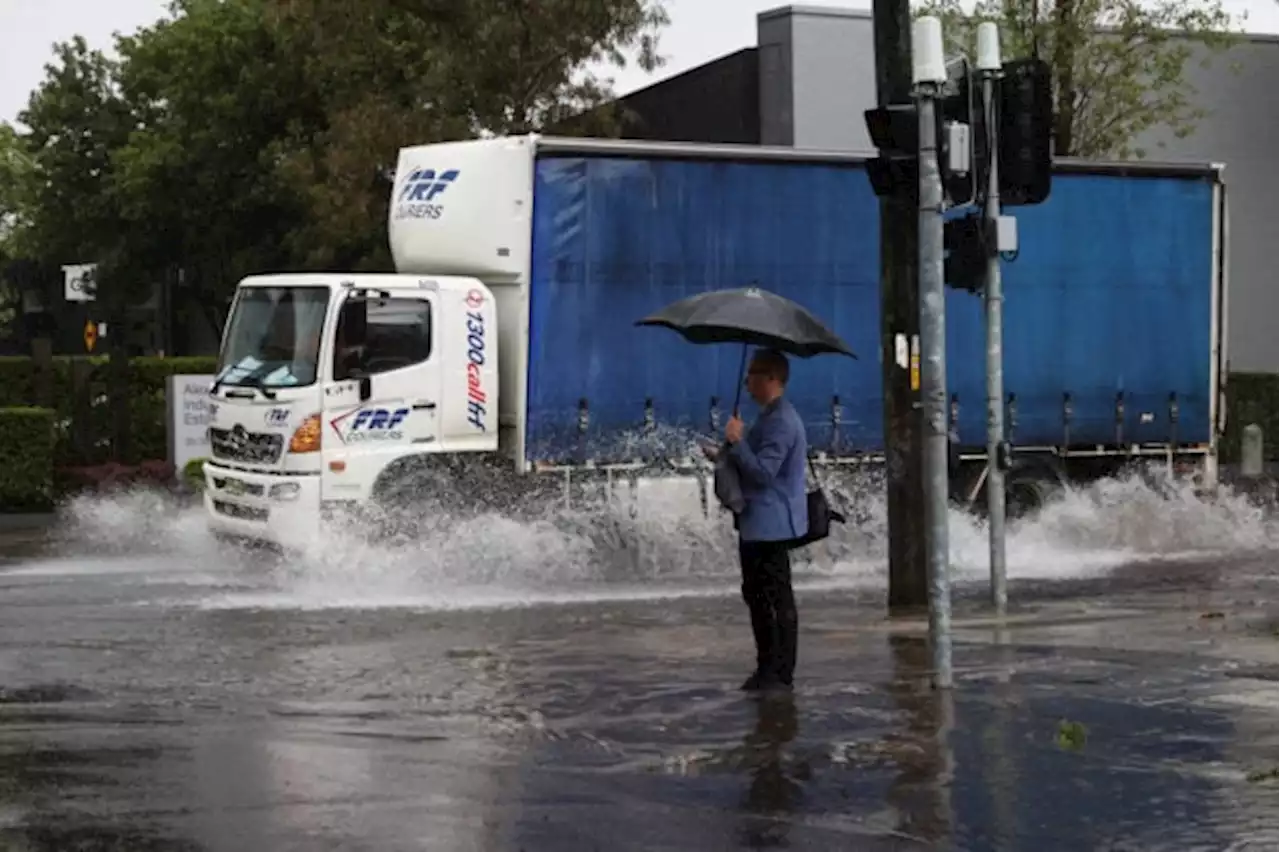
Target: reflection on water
{"points": [[776, 783], [921, 789]]}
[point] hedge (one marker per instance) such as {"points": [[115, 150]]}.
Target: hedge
{"points": [[1251, 398], [147, 375], [26, 459]]}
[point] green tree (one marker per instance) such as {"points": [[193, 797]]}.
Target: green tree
{"points": [[1118, 66], [241, 136], [198, 177], [16, 170], [404, 72], [77, 119]]}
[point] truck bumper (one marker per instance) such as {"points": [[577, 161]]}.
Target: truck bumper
{"points": [[281, 510]]}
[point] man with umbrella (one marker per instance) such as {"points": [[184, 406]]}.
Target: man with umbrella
{"points": [[772, 513], [770, 460]]}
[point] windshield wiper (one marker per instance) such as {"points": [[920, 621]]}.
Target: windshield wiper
{"points": [[256, 384]]}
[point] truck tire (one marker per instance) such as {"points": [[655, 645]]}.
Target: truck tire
{"points": [[459, 487], [1031, 485]]}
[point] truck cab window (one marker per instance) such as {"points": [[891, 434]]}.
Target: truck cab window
{"points": [[379, 335]]}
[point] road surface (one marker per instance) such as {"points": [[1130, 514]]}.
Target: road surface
{"points": [[156, 695]]}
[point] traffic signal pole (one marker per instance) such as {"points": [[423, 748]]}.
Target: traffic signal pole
{"points": [[899, 331], [989, 68], [929, 73], [926, 160]]}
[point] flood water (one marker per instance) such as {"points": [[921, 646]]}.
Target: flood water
{"points": [[570, 684]]}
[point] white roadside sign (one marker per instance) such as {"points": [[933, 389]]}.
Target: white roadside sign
{"points": [[187, 418], [78, 283]]}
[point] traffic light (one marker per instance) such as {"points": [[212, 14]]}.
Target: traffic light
{"points": [[1026, 132], [895, 131], [964, 245], [961, 104]]}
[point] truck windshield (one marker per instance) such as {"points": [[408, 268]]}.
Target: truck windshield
{"points": [[273, 337]]}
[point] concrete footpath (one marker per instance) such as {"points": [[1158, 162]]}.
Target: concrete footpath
{"points": [[26, 522], [22, 532]]}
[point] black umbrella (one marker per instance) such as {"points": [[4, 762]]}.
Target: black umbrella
{"points": [[753, 317], [750, 316]]}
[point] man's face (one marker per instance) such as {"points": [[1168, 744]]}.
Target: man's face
{"points": [[762, 386]]}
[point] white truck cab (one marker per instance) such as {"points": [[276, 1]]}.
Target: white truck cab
{"points": [[324, 380]]}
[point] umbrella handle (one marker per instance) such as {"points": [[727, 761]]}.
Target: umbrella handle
{"points": [[742, 369]]}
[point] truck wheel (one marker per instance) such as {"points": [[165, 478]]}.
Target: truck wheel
{"points": [[460, 487], [1030, 486]]}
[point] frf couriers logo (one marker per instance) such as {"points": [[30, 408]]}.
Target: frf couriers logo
{"points": [[419, 194], [370, 424]]}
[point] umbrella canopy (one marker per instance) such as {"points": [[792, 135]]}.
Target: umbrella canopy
{"points": [[750, 316]]}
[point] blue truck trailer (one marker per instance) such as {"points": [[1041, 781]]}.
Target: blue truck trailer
{"points": [[1113, 315], [1113, 309]]}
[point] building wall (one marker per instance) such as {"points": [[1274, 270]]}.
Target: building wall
{"points": [[1238, 90], [826, 70], [818, 76], [715, 102], [774, 46]]}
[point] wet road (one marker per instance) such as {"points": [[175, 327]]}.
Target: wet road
{"points": [[143, 706]]}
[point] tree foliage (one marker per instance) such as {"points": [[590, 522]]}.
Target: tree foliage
{"points": [[403, 72], [77, 120], [214, 94], [17, 169], [241, 136], [1118, 65]]}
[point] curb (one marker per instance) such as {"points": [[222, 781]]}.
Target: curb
{"points": [[27, 522]]}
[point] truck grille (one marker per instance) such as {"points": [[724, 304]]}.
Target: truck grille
{"points": [[235, 510], [238, 444]]}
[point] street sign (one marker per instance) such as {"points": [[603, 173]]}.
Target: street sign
{"points": [[90, 335], [79, 282]]}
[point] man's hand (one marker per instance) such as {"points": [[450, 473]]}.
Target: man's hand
{"points": [[733, 429]]}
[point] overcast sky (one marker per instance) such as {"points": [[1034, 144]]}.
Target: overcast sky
{"points": [[700, 30]]}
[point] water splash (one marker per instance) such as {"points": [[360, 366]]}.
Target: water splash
{"points": [[663, 547]]}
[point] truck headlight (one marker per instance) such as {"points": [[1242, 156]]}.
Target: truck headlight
{"points": [[306, 438]]}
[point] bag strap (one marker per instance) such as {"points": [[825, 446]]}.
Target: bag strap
{"points": [[817, 483]]}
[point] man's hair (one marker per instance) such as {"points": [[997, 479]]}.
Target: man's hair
{"points": [[772, 363]]}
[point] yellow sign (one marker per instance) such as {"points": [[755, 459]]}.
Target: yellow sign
{"points": [[915, 362], [90, 335]]}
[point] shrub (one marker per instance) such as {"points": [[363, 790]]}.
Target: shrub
{"points": [[26, 459], [146, 388], [193, 474], [1251, 398]]}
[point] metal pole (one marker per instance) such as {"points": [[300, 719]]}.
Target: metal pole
{"points": [[989, 66], [929, 73]]}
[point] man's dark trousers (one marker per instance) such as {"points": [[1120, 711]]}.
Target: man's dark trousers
{"points": [[766, 588]]}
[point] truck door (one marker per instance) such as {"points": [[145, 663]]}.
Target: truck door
{"points": [[383, 401]]}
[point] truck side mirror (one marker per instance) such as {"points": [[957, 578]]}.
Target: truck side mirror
{"points": [[366, 388]]}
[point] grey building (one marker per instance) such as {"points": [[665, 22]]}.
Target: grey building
{"points": [[811, 75]]}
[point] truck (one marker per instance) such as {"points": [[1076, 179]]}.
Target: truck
{"points": [[502, 356]]}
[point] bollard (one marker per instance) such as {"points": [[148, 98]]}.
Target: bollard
{"points": [[1251, 451]]}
